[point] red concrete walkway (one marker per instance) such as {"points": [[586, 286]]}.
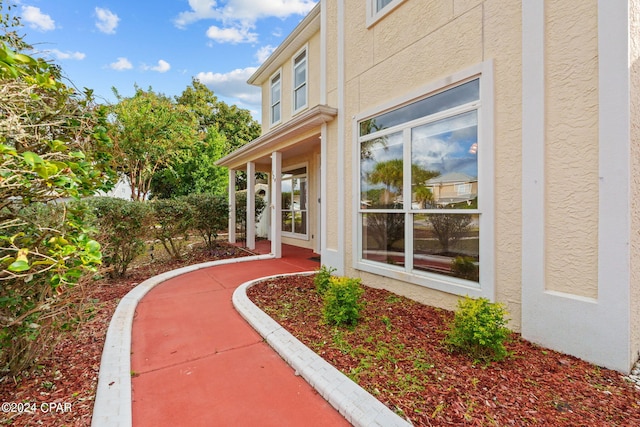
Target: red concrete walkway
{"points": [[196, 362]]}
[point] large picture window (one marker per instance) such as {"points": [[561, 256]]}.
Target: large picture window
{"points": [[419, 209], [294, 202]]}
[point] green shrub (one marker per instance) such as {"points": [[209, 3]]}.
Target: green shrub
{"points": [[39, 287], [322, 278], [479, 329], [124, 227], [465, 268], [172, 221], [211, 215], [342, 301]]}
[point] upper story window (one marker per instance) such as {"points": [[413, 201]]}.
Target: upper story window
{"points": [[381, 4], [376, 9], [300, 81], [275, 98]]}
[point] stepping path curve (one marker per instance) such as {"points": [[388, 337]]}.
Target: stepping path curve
{"points": [[191, 359]]}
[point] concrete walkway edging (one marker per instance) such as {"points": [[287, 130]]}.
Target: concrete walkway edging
{"points": [[112, 405], [358, 406]]}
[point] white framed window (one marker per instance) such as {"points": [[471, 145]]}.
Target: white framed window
{"points": [[275, 98], [300, 80], [376, 9], [425, 212], [295, 206]]}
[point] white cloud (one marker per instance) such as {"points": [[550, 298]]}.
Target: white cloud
{"points": [[233, 85], [67, 55], [239, 16], [107, 21], [231, 35], [162, 67], [36, 19], [263, 53], [243, 10], [121, 64]]}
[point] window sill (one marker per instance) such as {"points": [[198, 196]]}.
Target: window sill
{"points": [[450, 285]]}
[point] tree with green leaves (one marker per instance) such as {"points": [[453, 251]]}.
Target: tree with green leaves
{"points": [[221, 129], [148, 131], [234, 123], [52, 147]]}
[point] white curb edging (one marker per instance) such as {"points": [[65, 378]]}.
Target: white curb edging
{"points": [[112, 406], [358, 406]]}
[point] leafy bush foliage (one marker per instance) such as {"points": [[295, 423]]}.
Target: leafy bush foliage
{"points": [[479, 329], [342, 301], [124, 227], [322, 279], [33, 304], [465, 268], [210, 216], [53, 145], [173, 218]]}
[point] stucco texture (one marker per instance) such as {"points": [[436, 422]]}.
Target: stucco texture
{"points": [[571, 150], [635, 173], [449, 37]]}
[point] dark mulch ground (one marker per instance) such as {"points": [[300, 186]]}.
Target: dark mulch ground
{"points": [[69, 377], [396, 353]]}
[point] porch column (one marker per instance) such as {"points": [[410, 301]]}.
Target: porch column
{"points": [[251, 205], [276, 204], [232, 206]]}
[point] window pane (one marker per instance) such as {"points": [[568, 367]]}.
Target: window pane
{"points": [[300, 222], [381, 172], [444, 163], [442, 101], [275, 99], [447, 244], [383, 237], [302, 194], [300, 74], [287, 221], [300, 97], [381, 3], [286, 193]]}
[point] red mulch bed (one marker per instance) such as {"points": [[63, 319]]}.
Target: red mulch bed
{"points": [[396, 353], [62, 388]]}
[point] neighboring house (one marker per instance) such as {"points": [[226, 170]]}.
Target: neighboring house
{"points": [[407, 138], [122, 190]]}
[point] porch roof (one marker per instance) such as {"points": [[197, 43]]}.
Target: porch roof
{"points": [[282, 136]]}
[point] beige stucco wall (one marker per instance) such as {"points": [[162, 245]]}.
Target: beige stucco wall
{"points": [[450, 36], [635, 174], [505, 48], [571, 150]]}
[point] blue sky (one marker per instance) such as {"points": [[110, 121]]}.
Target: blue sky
{"points": [[161, 44]]}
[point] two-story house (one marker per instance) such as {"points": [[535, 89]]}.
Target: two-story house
{"points": [[407, 138]]}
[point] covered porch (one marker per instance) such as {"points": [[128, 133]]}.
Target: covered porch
{"points": [[290, 155]]}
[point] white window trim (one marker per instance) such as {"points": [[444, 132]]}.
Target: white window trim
{"points": [[273, 76], [306, 80], [486, 286], [373, 16], [292, 235]]}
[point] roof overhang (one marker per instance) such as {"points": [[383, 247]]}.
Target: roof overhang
{"points": [[294, 41], [289, 131]]}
